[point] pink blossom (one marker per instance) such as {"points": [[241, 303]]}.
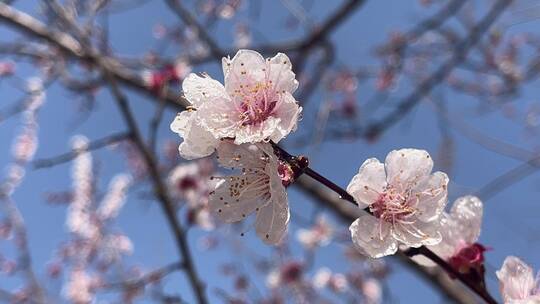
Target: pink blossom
{"points": [[78, 218], [113, 247], [460, 230], [115, 197], [255, 105], [202, 217], [170, 73], [320, 234], [405, 200], [324, 278], [79, 288], [517, 282], [7, 68], [258, 188], [372, 291], [289, 273], [25, 145], [189, 182], [192, 183]]}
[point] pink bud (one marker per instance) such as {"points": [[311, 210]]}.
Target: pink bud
{"points": [[7, 68], [469, 257]]}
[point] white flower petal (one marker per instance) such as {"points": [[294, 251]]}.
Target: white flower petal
{"points": [[369, 183], [418, 233], [280, 72], [467, 212], [451, 240], [256, 133], [460, 228], [182, 122], [432, 196], [322, 278], [198, 90], [203, 219], [272, 219], [372, 291], [516, 279], [247, 156], [246, 67], [231, 206], [258, 188], [197, 141], [226, 66], [219, 117], [288, 111], [407, 166], [372, 237]]}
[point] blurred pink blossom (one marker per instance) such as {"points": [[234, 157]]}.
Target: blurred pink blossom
{"points": [[320, 234], [517, 282], [7, 68]]}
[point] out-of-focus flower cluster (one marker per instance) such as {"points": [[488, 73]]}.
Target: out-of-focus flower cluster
{"points": [[12, 226], [26, 142], [191, 183], [94, 247]]}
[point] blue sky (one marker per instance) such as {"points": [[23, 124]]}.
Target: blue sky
{"points": [[510, 225]]}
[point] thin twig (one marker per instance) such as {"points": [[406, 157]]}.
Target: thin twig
{"points": [[154, 123], [510, 177], [191, 21], [147, 278], [68, 156]]}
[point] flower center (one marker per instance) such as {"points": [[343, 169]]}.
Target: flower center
{"points": [[187, 183], [392, 206], [286, 173], [257, 103]]}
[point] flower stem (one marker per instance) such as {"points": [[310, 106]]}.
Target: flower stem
{"points": [[343, 194]]}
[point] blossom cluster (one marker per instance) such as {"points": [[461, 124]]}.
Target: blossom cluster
{"points": [[403, 201], [92, 242], [254, 106], [23, 150]]}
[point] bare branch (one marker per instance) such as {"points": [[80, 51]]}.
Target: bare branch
{"points": [[425, 87], [147, 278], [93, 145], [159, 190], [71, 47], [510, 177], [191, 21]]}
